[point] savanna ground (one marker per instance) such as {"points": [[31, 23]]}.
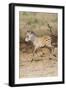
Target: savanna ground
{"points": [[45, 63]]}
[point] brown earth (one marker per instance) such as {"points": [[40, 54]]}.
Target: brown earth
{"points": [[44, 63]]}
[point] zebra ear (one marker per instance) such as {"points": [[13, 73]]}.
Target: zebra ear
{"points": [[28, 31], [32, 32]]}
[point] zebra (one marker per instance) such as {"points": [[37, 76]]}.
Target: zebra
{"points": [[37, 41]]}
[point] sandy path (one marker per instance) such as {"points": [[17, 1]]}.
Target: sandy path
{"points": [[42, 66]]}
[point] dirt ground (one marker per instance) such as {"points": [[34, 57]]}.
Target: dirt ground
{"points": [[45, 63]]}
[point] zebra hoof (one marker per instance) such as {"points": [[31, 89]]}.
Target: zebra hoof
{"points": [[54, 55], [32, 60], [50, 58]]}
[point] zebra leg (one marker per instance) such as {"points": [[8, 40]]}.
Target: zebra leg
{"points": [[33, 54], [51, 48], [52, 53]]}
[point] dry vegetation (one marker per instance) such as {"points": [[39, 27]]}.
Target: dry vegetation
{"points": [[44, 64]]}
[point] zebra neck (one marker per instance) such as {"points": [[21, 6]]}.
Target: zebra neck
{"points": [[33, 38]]}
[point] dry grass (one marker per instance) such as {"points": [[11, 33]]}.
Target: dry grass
{"points": [[45, 63]]}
